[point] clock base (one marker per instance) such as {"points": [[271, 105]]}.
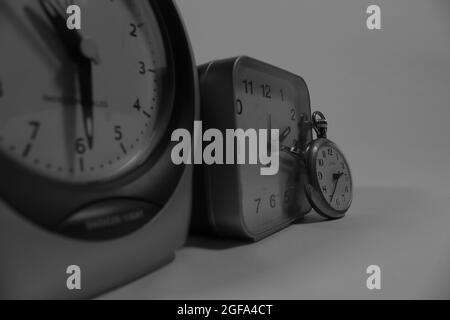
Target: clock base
{"points": [[34, 262]]}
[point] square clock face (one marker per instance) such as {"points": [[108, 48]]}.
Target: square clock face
{"points": [[244, 93]]}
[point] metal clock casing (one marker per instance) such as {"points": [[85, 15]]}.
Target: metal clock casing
{"points": [[239, 202]]}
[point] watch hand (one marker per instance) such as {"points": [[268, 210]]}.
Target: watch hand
{"points": [[83, 52], [285, 133], [337, 177], [269, 140], [87, 104], [71, 39]]}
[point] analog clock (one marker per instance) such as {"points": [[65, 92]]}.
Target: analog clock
{"points": [[243, 93], [82, 106], [85, 123]]}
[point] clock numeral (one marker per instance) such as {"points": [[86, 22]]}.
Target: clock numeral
{"points": [[143, 70], [266, 91], [282, 94], [347, 189], [258, 204], [273, 201], [248, 85], [287, 196], [321, 163], [35, 126], [239, 107], [330, 152], [293, 115], [80, 146], [320, 176], [324, 190], [137, 105], [118, 133], [134, 29]]}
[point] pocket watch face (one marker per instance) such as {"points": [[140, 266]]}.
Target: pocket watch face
{"points": [[86, 114], [270, 98], [333, 177]]}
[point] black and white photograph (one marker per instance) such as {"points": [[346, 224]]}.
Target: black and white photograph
{"points": [[224, 155]]}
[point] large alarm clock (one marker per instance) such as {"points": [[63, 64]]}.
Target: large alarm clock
{"points": [[244, 93], [86, 177]]}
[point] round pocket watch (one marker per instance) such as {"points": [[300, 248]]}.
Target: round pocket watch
{"points": [[329, 186]]}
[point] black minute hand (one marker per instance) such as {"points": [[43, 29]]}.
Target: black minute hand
{"points": [[87, 104], [336, 178], [72, 41]]}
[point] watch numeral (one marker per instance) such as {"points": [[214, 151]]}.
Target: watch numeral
{"points": [[80, 146], [134, 29], [118, 133], [293, 115], [258, 204], [266, 91], [143, 70], [273, 201], [248, 87], [137, 105], [36, 126], [287, 196], [239, 107]]}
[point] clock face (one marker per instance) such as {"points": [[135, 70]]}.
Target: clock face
{"points": [[334, 177], [270, 98], [49, 123]]}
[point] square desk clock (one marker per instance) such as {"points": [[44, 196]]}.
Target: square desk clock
{"points": [[243, 93]]}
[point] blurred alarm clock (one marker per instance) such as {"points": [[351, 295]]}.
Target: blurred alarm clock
{"points": [[85, 123], [239, 202]]}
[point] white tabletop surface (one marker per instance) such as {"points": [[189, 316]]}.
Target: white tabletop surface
{"points": [[321, 259]]}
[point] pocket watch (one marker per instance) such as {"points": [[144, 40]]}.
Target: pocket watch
{"points": [[85, 123], [244, 93], [329, 186]]}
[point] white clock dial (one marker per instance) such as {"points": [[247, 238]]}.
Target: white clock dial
{"points": [[334, 177], [43, 119], [269, 100]]}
